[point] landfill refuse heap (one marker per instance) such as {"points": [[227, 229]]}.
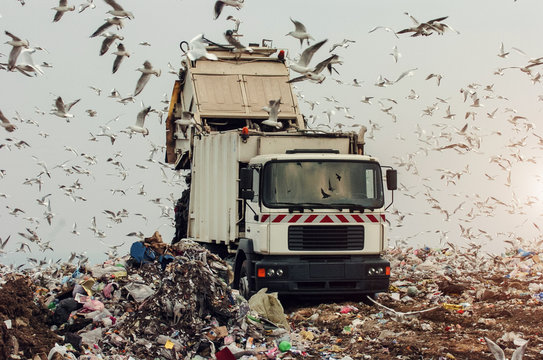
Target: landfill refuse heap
{"points": [[174, 302]]}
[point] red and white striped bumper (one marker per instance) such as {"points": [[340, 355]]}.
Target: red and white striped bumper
{"points": [[323, 219]]}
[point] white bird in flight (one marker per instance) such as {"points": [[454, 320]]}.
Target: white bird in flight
{"points": [[17, 45], [302, 66], [197, 49], [273, 110], [146, 72], [5, 123], [121, 53], [118, 10], [140, 121], [219, 5], [109, 22], [300, 32], [61, 9], [62, 110], [85, 5], [109, 38]]}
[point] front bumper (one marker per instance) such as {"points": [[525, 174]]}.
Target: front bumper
{"points": [[322, 275]]}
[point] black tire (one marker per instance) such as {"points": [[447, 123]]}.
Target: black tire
{"points": [[244, 282]]}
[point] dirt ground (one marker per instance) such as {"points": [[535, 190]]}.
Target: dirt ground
{"points": [[29, 332]]}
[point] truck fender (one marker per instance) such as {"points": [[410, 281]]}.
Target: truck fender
{"points": [[244, 252]]}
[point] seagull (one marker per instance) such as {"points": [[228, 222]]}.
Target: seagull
{"points": [[97, 90], [109, 38], [109, 22], [315, 74], [17, 44], [437, 76], [84, 6], [6, 124], [229, 35], [140, 121], [273, 110], [367, 99], [121, 53], [146, 72], [384, 28], [344, 44], [300, 32], [395, 54], [302, 66], [197, 49], [26, 64], [410, 72], [62, 110], [144, 43], [118, 10], [3, 244], [236, 22], [61, 9], [500, 355], [219, 5]]}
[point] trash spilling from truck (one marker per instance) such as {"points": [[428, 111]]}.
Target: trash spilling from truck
{"points": [[442, 304]]}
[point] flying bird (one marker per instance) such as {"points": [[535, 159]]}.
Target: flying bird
{"points": [[140, 120], [236, 22], [17, 45], [62, 110], [344, 44], [6, 124], [146, 72], [300, 32], [118, 10], [121, 53], [85, 5], [197, 49], [219, 5], [61, 9], [302, 66], [273, 111], [109, 22], [315, 74], [109, 38], [324, 194], [384, 28]]}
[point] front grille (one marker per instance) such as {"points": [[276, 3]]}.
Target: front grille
{"points": [[326, 238]]}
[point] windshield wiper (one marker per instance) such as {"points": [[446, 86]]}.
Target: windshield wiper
{"points": [[350, 206]]}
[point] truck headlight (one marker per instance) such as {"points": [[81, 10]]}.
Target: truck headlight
{"points": [[279, 272], [372, 271], [270, 272]]}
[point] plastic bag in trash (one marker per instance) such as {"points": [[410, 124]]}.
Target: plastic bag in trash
{"points": [[139, 292], [269, 307]]}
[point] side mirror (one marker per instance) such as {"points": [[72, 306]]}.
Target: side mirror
{"points": [[246, 183], [392, 179]]}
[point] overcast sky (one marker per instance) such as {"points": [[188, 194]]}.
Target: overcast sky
{"points": [[481, 184]]}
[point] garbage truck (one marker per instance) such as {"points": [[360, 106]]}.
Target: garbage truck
{"points": [[292, 209]]}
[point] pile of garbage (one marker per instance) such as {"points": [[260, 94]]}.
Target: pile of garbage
{"points": [[173, 302]]}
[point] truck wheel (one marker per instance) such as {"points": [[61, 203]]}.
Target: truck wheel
{"points": [[244, 285]]}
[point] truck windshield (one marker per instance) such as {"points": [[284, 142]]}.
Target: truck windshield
{"points": [[324, 184]]}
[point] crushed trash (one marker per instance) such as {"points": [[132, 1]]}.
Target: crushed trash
{"points": [[177, 304]]}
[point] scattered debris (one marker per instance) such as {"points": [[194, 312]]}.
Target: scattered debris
{"points": [[442, 304]]}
